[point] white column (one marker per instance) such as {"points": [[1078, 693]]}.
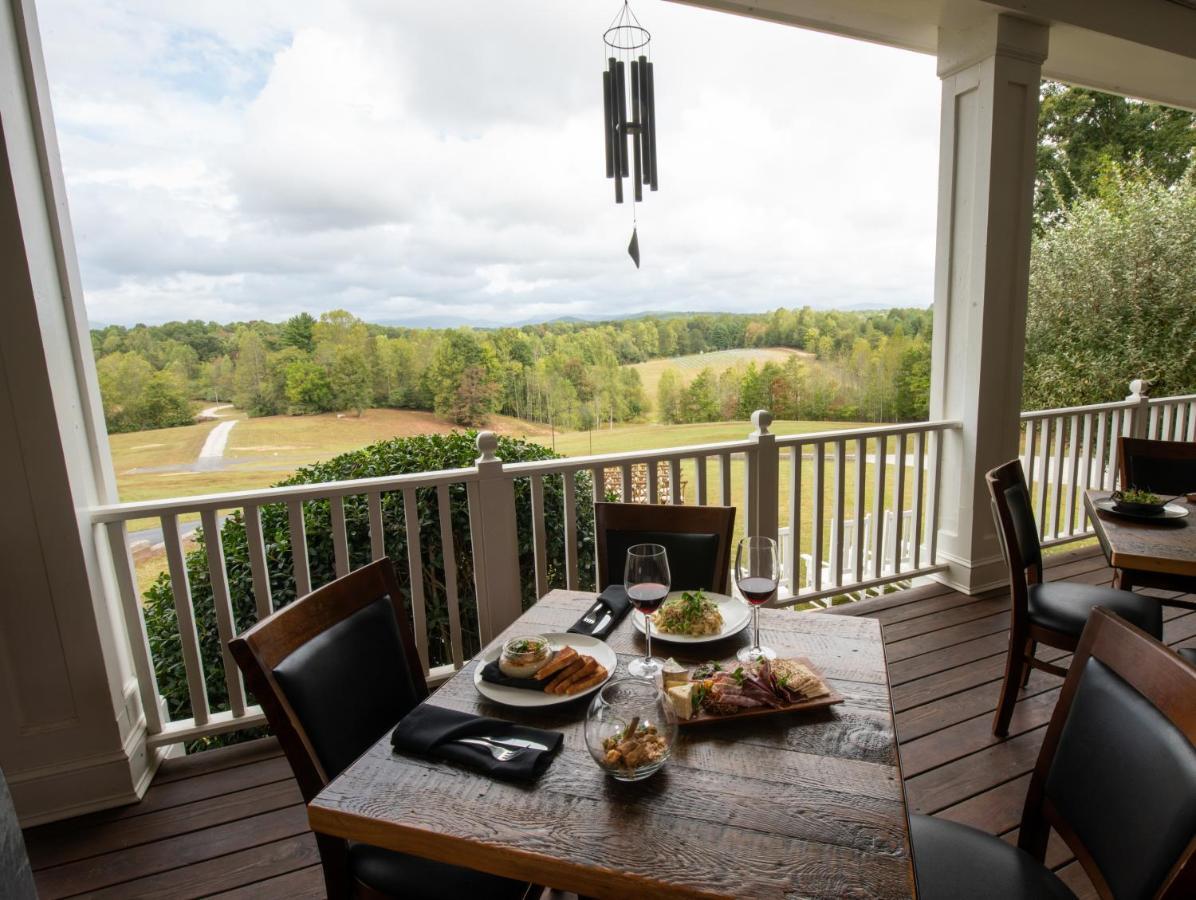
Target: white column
{"points": [[72, 732], [990, 76], [496, 541]]}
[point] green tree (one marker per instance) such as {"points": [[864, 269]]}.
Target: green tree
{"points": [[252, 387], [162, 404], [460, 351], [668, 397], [299, 331], [699, 400], [1084, 134], [308, 388], [350, 379], [1113, 295]]}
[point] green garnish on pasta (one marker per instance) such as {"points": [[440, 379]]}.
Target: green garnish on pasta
{"points": [[692, 613]]}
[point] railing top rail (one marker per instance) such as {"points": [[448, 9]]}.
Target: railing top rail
{"points": [[577, 463], [817, 437], [1179, 398], [1073, 410], [117, 512]]}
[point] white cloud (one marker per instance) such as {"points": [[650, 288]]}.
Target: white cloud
{"points": [[413, 159]]}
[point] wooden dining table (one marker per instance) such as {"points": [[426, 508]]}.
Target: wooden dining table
{"points": [[791, 805], [1147, 554]]}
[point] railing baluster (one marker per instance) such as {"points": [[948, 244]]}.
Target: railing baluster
{"points": [[1086, 447], [571, 574], [539, 537], [1073, 471], [180, 587], [262, 598], [130, 602], [1152, 428], [861, 482], [481, 575], [1166, 435], [793, 553], [700, 476], [1101, 428], [932, 501], [226, 625], [377, 530], [626, 493], [1057, 481], [899, 502], [878, 506], [1028, 452], [919, 487], [653, 481], [837, 529], [448, 549], [415, 567], [599, 494], [724, 479], [675, 482], [299, 560], [1191, 436], [1115, 429], [340, 535], [1044, 476], [816, 517]]}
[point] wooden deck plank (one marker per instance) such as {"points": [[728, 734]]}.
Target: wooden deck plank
{"points": [[229, 822]]}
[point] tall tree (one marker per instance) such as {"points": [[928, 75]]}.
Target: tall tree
{"points": [[1083, 134], [299, 332]]}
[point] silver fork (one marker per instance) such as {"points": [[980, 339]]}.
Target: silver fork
{"points": [[592, 616], [502, 754]]}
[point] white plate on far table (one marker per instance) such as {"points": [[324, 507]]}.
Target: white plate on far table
{"points": [[512, 696], [736, 615]]}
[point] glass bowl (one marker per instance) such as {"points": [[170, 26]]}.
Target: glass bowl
{"points": [[630, 728]]}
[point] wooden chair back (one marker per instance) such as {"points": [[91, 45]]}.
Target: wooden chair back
{"points": [[1163, 467], [1016, 529], [1116, 776], [655, 523], [264, 650]]}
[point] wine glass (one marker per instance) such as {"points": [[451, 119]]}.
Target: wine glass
{"points": [[757, 575], [646, 578]]}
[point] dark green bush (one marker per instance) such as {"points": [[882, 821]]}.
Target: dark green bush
{"points": [[392, 457]]}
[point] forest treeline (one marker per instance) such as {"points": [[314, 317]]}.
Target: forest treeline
{"points": [[870, 366]]}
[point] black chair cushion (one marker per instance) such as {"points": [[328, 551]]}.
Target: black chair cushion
{"points": [[1017, 499], [1188, 653], [414, 878], [953, 861], [693, 558], [1124, 779], [1064, 606], [350, 684]]}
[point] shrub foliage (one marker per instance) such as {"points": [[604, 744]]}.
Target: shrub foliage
{"points": [[391, 457]]}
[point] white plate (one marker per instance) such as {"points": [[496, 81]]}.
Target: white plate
{"points": [[511, 696], [736, 615]]}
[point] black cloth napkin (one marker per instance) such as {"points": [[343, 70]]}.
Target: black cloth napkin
{"points": [[431, 731], [615, 601], [495, 675]]}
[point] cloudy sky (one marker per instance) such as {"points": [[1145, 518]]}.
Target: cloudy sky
{"points": [[434, 160]]}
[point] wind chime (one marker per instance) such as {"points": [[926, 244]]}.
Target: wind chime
{"points": [[628, 50]]}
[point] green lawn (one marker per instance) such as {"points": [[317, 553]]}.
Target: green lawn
{"points": [[688, 367]]}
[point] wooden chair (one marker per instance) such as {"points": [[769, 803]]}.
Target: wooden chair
{"points": [[1163, 467], [1116, 778], [697, 538], [334, 672], [16, 877], [1045, 613]]}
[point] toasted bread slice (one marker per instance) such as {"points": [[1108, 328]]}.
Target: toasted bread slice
{"points": [[561, 659]]}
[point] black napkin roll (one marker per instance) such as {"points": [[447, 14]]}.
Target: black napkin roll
{"points": [[494, 674], [615, 601], [432, 730]]}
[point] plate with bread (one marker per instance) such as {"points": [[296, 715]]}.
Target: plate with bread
{"points": [[544, 669]]}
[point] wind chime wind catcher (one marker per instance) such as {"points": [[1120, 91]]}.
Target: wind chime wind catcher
{"points": [[628, 51]]}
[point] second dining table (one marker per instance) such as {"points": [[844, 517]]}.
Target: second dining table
{"points": [[1150, 554], [792, 805]]}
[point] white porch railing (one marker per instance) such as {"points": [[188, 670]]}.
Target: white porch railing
{"points": [[1065, 451], [808, 490]]}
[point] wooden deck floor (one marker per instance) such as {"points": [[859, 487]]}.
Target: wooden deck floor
{"points": [[230, 822]]}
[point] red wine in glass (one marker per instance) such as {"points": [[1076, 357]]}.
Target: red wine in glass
{"points": [[647, 597], [757, 590]]}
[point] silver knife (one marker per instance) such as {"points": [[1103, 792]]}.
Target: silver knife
{"points": [[601, 625]]}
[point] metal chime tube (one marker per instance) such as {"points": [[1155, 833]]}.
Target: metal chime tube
{"points": [[607, 108], [616, 144], [651, 86], [636, 133], [621, 93], [645, 120]]}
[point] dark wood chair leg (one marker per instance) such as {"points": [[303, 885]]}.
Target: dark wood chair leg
{"points": [[1031, 649], [1014, 662]]}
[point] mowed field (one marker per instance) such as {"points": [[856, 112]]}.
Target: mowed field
{"points": [[688, 367]]}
